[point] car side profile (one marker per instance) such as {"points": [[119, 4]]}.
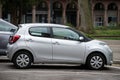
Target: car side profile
{"points": [[53, 43], [6, 29]]}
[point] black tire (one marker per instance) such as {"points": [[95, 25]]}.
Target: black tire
{"points": [[22, 60], [95, 61]]}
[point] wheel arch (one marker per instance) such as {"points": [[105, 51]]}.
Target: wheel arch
{"points": [[95, 53], [23, 50]]}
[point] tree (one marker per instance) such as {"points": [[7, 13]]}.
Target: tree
{"points": [[22, 9], [16, 8], [2, 2], [19, 7], [86, 17]]}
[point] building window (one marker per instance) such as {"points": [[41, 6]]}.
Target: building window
{"points": [[99, 6], [99, 20], [43, 5], [99, 14], [71, 14], [42, 12], [72, 6], [28, 18], [58, 5], [112, 14], [57, 12], [112, 20], [112, 6]]}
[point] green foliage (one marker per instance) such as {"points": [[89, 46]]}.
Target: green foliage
{"points": [[107, 28], [109, 33], [89, 35], [70, 25], [113, 34]]}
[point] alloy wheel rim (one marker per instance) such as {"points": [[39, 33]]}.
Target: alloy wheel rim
{"points": [[22, 60], [96, 62]]}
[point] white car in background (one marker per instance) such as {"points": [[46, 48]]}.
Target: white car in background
{"points": [[53, 43]]}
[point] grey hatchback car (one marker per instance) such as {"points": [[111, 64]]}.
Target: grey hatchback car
{"points": [[53, 43], [6, 29]]}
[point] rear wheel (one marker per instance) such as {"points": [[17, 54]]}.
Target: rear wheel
{"points": [[22, 59], [96, 61]]}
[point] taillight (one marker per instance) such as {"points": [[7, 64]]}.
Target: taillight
{"points": [[14, 38]]}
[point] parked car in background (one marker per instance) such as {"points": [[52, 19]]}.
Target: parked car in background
{"points": [[53, 43], [6, 29]]}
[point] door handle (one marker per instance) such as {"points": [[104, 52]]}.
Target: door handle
{"points": [[30, 40], [56, 43]]}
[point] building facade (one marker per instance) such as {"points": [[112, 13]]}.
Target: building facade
{"points": [[104, 12], [55, 11]]}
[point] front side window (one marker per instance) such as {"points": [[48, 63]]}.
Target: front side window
{"points": [[64, 33], [39, 31], [4, 26]]}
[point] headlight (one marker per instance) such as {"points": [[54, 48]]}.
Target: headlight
{"points": [[106, 46], [109, 49]]}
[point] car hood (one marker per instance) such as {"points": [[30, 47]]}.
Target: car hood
{"points": [[96, 42]]}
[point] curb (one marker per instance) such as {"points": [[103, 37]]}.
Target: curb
{"points": [[4, 59], [116, 62]]}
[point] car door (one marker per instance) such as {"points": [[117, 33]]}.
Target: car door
{"points": [[66, 47], [39, 41], [6, 29]]}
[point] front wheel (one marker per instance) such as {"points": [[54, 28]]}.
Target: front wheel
{"points": [[96, 61], [22, 60]]}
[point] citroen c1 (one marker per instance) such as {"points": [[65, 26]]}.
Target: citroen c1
{"points": [[53, 43]]}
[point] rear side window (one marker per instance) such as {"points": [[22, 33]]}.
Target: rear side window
{"points": [[39, 31], [6, 27]]}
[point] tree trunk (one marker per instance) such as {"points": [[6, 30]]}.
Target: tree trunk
{"points": [[19, 15], [86, 17], [14, 17], [0, 10], [33, 13]]}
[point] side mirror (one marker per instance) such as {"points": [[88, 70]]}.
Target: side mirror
{"points": [[81, 38]]}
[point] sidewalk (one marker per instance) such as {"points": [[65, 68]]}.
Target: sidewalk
{"points": [[4, 59], [114, 44]]}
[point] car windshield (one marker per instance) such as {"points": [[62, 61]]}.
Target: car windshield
{"points": [[86, 37]]}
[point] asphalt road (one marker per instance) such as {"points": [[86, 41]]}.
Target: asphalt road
{"points": [[57, 72]]}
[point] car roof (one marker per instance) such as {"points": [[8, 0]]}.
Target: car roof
{"points": [[42, 25]]}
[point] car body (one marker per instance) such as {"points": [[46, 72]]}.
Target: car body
{"points": [[6, 29], [53, 43]]}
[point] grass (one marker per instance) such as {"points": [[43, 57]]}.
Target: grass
{"points": [[106, 33]]}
